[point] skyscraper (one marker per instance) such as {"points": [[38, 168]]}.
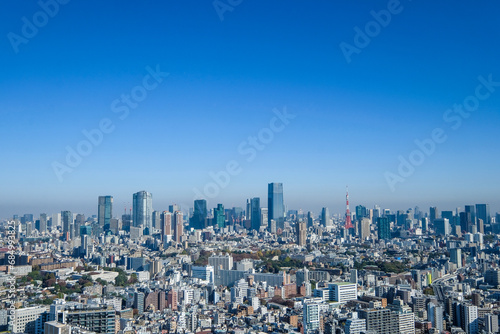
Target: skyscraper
{"points": [[200, 214], [310, 219], [142, 210], [275, 203], [384, 228], [105, 211], [442, 226], [166, 224], [472, 210], [483, 212], [433, 214], [364, 228], [325, 217], [301, 233], [43, 223], [360, 212], [255, 213], [456, 256], [219, 216], [465, 221], [67, 222], [178, 226], [79, 221]]}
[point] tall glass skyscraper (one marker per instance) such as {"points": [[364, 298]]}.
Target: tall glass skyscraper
{"points": [[219, 216], [384, 228], [255, 209], [325, 217], [275, 204], [142, 210], [105, 211], [200, 214], [483, 212], [67, 222]]}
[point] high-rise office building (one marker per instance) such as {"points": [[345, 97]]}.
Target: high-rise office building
{"points": [[199, 219], [465, 221], [166, 224], [264, 217], [433, 214], [67, 223], [325, 218], [156, 219], [126, 222], [360, 212], [219, 216], [301, 231], [472, 210], [43, 223], [142, 210], [442, 226], [178, 226], [105, 211], [448, 215], [275, 204], [310, 219], [364, 228], [456, 256], [384, 228], [79, 221], [483, 212], [255, 213]]}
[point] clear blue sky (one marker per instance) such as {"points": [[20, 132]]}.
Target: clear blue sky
{"points": [[352, 120]]}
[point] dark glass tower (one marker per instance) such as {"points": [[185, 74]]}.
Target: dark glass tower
{"points": [[472, 210], [219, 216], [384, 228], [255, 209], [200, 214], [275, 204], [105, 211], [483, 212]]}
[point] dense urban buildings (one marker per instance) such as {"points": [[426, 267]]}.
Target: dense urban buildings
{"points": [[224, 270]]}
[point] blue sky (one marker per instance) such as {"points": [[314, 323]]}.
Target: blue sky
{"points": [[352, 120]]}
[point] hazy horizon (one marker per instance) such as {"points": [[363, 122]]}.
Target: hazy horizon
{"points": [[187, 100]]}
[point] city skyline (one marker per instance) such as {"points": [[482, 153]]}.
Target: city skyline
{"points": [[403, 113], [145, 199]]}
